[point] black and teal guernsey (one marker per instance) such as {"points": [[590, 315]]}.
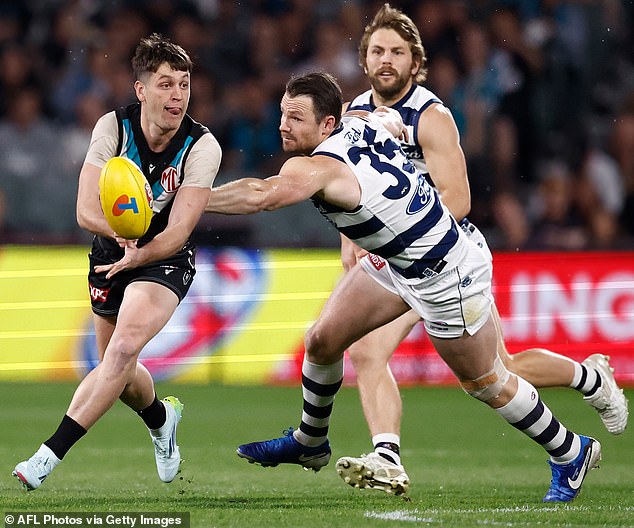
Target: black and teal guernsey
{"points": [[164, 170]]}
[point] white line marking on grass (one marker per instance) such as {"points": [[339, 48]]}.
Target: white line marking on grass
{"points": [[399, 515], [424, 517]]}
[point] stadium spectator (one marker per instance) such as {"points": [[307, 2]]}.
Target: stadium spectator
{"points": [[18, 71], [562, 66], [333, 52], [622, 148], [474, 105], [76, 136], [557, 223], [32, 170]]}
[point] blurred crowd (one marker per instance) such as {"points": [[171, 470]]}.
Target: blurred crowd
{"points": [[542, 92]]}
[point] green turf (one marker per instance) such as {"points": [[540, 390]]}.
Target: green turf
{"points": [[467, 466]]}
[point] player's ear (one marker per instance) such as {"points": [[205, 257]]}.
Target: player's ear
{"points": [[139, 90], [415, 67], [329, 124]]}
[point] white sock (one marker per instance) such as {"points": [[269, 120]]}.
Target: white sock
{"points": [[392, 454], [585, 380], [576, 378]]}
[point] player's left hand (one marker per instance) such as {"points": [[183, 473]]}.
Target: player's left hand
{"points": [[393, 121], [122, 241], [131, 259]]}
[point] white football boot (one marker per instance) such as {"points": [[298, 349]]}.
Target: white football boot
{"points": [[373, 472], [166, 451], [608, 400], [32, 472]]}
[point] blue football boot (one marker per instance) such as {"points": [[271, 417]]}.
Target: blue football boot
{"points": [[285, 450], [567, 478]]}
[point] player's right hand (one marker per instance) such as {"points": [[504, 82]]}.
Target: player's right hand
{"points": [[350, 253]]}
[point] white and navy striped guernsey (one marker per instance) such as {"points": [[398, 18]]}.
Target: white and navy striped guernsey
{"points": [[410, 106], [400, 217]]}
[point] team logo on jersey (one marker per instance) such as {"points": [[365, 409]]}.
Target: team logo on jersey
{"points": [[421, 196], [169, 179], [352, 136]]}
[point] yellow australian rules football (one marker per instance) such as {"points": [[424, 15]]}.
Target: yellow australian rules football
{"points": [[126, 198]]}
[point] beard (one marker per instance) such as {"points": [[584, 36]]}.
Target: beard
{"points": [[293, 147], [390, 89]]}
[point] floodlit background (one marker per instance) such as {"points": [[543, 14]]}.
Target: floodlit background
{"points": [[542, 92], [543, 95]]}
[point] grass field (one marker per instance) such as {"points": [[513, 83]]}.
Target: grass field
{"points": [[468, 468]]}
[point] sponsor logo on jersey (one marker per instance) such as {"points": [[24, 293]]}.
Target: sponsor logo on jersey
{"points": [[412, 151], [421, 197], [376, 261], [98, 294], [169, 179], [148, 194]]}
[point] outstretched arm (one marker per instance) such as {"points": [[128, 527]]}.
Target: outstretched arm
{"points": [[299, 179], [245, 196]]}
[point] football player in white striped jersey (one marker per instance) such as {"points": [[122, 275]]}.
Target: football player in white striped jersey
{"points": [[393, 58], [418, 258]]}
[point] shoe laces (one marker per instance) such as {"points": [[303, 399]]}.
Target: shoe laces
{"points": [[275, 443], [288, 432], [601, 398], [558, 472], [161, 445], [382, 466]]}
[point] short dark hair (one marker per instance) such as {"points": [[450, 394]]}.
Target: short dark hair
{"points": [[156, 50], [323, 89], [390, 18]]}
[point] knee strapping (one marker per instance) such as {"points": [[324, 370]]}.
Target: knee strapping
{"points": [[489, 385]]}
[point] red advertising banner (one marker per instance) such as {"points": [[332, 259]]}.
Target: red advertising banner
{"points": [[575, 304]]}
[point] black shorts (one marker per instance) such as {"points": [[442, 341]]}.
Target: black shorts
{"points": [[106, 295]]}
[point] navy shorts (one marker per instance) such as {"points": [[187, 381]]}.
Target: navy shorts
{"points": [[106, 295]]}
